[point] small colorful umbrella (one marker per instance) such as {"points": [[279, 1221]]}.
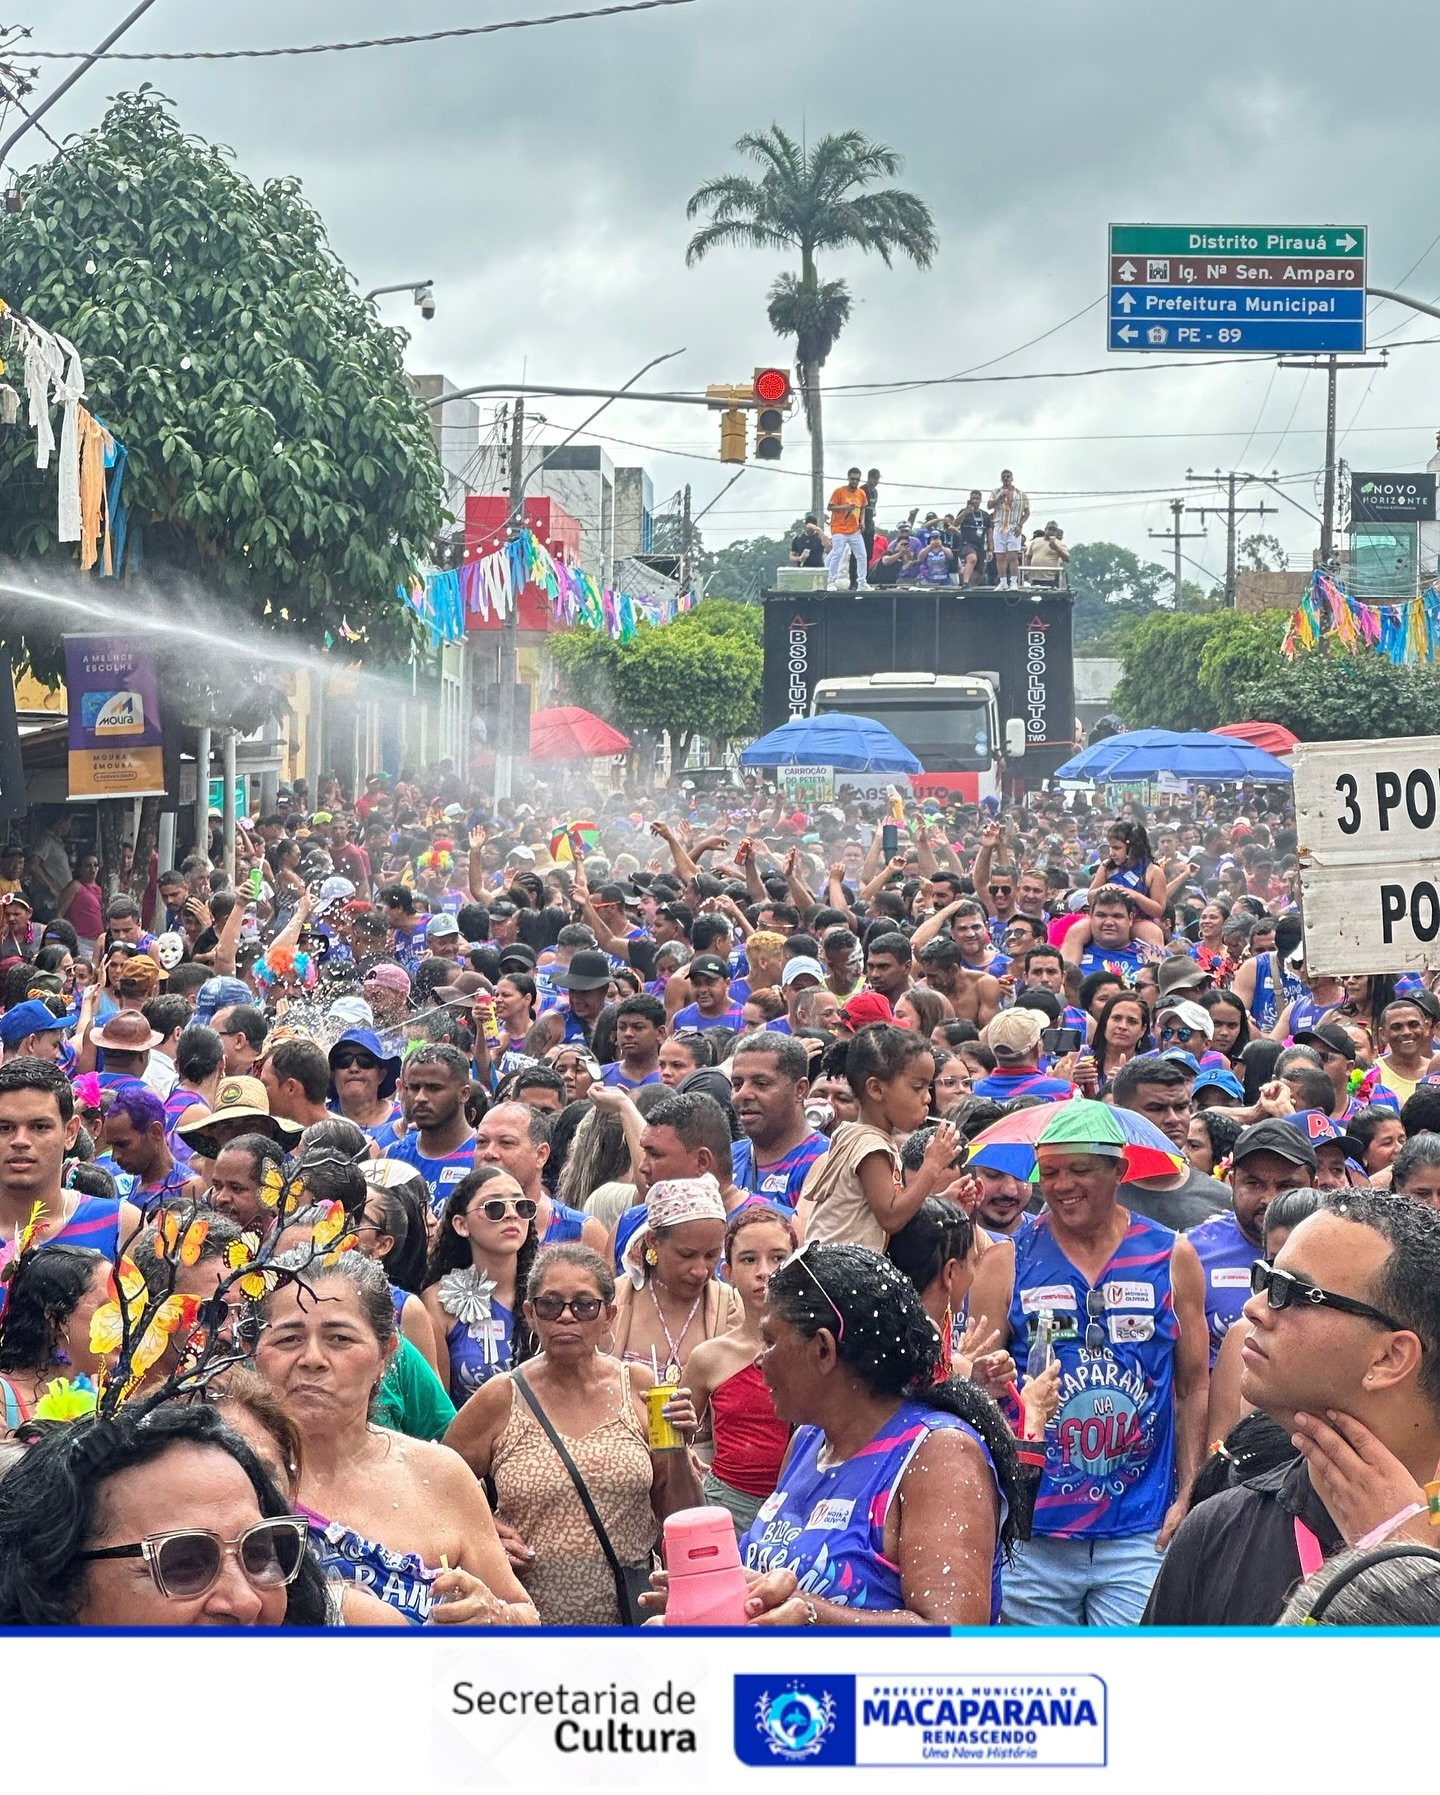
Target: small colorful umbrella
{"points": [[1009, 1144]]}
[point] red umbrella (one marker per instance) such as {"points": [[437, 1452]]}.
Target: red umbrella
{"points": [[569, 733], [1274, 738]]}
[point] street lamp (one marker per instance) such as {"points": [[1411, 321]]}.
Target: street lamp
{"points": [[422, 291]]}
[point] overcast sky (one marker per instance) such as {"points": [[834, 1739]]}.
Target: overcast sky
{"points": [[540, 177]]}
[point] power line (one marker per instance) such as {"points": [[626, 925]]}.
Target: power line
{"points": [[364, 43]]}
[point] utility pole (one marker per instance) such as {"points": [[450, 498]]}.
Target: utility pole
{"points": [[32, 116], [1231, 512], [1177, 536], [1332, 367], [510, 625], [687, 538]]}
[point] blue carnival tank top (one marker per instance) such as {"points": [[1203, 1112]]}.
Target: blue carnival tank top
{"points": [[565, 1223], [1225, 1260], [1109, 1467], [828, 1527], [400, 1579], [478, 1350]]}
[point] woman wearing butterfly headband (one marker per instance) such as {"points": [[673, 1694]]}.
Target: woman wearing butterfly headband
{"points": [[387, 1512]]}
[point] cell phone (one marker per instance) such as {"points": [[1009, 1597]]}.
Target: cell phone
{"points": [[577, 849], [889, 840], [1057, 1042]]}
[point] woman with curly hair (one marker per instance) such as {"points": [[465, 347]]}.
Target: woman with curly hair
{"points": [[896, 1502], [483, 1251]]}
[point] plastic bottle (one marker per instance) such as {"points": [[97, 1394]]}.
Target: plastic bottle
{"points": [[1042, 1353], [707, 1583]]}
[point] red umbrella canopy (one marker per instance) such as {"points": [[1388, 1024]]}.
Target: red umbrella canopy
{"points": [[1274, 738], [569, 733]]}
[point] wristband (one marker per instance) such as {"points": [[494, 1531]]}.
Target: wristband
{"points": [[1386, 1528]]}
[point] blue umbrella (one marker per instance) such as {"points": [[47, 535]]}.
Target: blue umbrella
{"points": [[1197, 756], [851, 744], [1095, 761]]}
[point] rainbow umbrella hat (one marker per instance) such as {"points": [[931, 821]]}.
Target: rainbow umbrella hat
{"points": [[1009, 1144]]}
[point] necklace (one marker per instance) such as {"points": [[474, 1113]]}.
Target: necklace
{"points": [[672, 1364]]}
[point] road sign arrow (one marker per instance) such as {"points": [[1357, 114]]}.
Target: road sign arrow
{"points": [[1127, 333], [1127, 271], [1127, 303], [1347, 242]]}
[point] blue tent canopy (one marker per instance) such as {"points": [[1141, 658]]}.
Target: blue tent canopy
{"points": [[850, 744]]}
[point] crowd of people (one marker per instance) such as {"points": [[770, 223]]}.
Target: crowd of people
{"points": [[974, 546], [402, 1230]]}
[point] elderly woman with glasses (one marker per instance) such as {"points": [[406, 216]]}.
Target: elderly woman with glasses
{"points": [[165, 1520], [575, 1398]]}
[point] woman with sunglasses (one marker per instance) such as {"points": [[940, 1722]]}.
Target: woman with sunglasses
{"points": [[899, 1495], [363, 1078], [597, 1406], [481, 1258], [384, 1510], [164, 1519]]}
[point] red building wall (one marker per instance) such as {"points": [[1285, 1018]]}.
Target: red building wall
{"points": [[485, 515]]}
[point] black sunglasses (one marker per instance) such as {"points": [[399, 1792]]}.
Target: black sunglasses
{"points": [[343, 1061], [1094, 1308], [188, 1562], [495, 1209], [1283, 1290], [550, 1306]]}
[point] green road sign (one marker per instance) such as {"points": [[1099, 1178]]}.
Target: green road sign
{"points": [[1231, 239]]}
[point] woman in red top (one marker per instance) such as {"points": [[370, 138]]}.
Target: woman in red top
{"points": [[722, 1375]]}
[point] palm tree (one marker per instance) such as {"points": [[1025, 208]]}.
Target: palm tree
{"points": [[812, 200]]}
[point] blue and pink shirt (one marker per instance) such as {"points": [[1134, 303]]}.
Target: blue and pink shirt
{"points": [[780, 1180], [828, 1526], [1225, 1260], [441, 1174], [1109, 1470]]}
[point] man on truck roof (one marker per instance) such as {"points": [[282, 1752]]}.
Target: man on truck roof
{"points": [[1009, 509]]}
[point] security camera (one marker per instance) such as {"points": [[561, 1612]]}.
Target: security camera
{"points": [[425, 299]]}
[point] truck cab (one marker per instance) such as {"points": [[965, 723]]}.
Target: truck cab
{"points": [[949, 722]]}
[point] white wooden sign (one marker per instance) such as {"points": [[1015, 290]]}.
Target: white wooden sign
{"points": [[1367, 816]]}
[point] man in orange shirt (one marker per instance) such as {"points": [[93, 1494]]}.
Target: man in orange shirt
{"points": [[847, 510]]}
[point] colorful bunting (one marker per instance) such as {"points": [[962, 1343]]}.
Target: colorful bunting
{"points": [[487, 588], [1405, 633]]}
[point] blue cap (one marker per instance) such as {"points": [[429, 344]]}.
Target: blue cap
{"points": [[1322, 1130], [369, 1041], [1216, 1078], [218, 994], [29, 1018]]}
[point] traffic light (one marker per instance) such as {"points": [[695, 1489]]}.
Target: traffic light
{"points": [[772, 407], [732, 435]]}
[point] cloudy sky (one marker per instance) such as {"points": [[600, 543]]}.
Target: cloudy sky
{"points": [[540, 177]]}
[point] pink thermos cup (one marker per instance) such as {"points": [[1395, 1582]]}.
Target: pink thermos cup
{"points": [[707, 1584]]}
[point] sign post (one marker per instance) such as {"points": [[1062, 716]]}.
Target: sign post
{"points": [[115, 739], [1368, 820], [1240, 289]]}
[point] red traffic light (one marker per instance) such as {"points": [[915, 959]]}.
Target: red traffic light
{"points": [[772, 385]]}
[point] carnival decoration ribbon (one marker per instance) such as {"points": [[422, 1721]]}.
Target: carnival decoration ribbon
{"points": [[1406, 632]]}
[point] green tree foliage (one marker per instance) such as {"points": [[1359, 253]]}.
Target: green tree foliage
{"points": [[1113, 589], [743, 570], [1160, 687], [1243, 647], [699, 675], [813, 200], [1262, 554], [281, 469], [1195, 672], [1327, 697]]}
